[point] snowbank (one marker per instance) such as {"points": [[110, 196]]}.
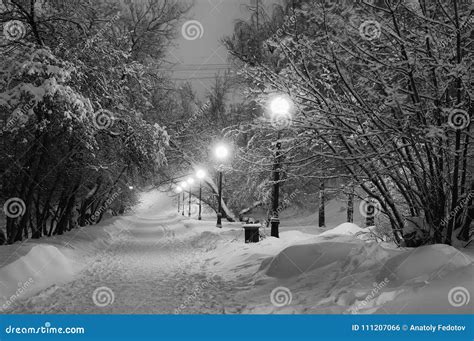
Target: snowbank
{"points": [[35, 265], [421, 264], [298, 259], [336, 272], [40, 268], [346, 229]]}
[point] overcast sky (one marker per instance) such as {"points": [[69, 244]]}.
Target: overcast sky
{"points": [[199, 53]]}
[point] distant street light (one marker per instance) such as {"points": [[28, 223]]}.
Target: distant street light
{"points": [[221, 152], [190, 182], [179, 190], [280, 106], [200, 174], [184, 184]]}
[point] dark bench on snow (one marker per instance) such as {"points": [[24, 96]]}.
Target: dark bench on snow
{"points": [[252, 233]]}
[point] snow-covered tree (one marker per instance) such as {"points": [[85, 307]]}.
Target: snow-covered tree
{"points": [[385, 86], [74, 96]]}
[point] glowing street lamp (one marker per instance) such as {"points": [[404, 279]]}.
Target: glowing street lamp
{"points": [[190, 182], [280, 105], [280, 111], [200, 174], [221, 152], [179, 190]]}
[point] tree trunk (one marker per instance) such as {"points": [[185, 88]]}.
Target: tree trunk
{"points": [[322, 199], [464, 232], [457, 147], [350, 207], [226, 212]]}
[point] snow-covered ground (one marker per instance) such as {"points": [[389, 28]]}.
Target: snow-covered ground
{"points": [[156, 261]]}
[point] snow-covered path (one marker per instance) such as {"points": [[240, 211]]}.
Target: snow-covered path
{"points": [[154, 261], [154, 267]]}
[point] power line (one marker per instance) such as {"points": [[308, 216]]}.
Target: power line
{"points": [[207, 69], [194, 78], [198, 67]]}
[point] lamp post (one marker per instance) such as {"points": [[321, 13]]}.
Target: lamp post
{"points": [[190, 182], [221, 152], [179, 190], [280, 108], [200, 174], [184, 184]]}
